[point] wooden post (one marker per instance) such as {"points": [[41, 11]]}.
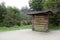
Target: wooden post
{"points": [[32, 22]]}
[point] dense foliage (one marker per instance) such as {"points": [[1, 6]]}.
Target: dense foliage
{"points": [[36, 5], [12, 16], [53, 5], [9, 16], [26, 18]]}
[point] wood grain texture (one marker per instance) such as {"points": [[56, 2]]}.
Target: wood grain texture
{"points": [[40, 22]]}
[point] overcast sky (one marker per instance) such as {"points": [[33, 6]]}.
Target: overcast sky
{"points": [[17, 3]]}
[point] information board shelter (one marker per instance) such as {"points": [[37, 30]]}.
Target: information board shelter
{"points": [[40, 20]]}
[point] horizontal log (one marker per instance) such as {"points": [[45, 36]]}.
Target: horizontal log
{"points": [[39, 25]]}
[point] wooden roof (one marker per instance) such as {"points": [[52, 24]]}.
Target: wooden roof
{"points": [[40, 12]]}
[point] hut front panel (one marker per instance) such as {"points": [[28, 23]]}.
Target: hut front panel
{"points": [[40, 22]]}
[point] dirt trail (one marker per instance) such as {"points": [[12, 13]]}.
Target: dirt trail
{"points": [[28, 34]]}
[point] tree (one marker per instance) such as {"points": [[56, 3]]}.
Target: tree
{"points": [[9, 16], [36, 5], [12, 17], [53, 5], [3, 12], [26, 19]]}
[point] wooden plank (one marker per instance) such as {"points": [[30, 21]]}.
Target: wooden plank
{"points": [[32, 22], [39, 25], [40, 22]]}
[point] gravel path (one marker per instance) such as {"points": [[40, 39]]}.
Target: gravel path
{"points": [[28, 34]]}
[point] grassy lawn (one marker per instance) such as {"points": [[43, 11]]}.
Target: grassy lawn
{"points": [[15, 28]]}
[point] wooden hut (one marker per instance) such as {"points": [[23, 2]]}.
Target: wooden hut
{"points": [[40, 20]]}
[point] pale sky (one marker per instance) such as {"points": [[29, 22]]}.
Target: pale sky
{"points": [[17, 3]]}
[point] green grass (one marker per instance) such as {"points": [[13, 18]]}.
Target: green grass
{"points": [[25, 27], [15, 28], [54, 27]]}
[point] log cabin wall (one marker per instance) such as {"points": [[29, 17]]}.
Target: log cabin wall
{"points": [[40, 22]]}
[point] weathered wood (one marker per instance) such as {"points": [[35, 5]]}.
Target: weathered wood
{"points": [[32, 22], [40, 21]]}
